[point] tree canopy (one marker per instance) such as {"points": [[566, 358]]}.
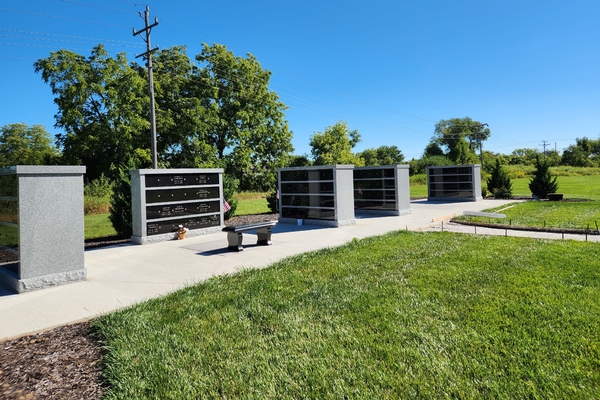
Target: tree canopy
{"points": [[216, 111], [383, 155], [21, 144], [460, 137], [584, 153], [334, 145]]}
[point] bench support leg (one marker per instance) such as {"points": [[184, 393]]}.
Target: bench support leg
{"points": [[264, 236], [234, 240]]}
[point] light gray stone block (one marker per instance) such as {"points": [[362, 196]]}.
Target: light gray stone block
{"points": [[51, 227]]}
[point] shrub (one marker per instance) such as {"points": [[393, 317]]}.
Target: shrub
{"points": [[273, 202], [230, 186], [499, 183], [419, 179], [542, 182], [97, 195], [120, 208]]}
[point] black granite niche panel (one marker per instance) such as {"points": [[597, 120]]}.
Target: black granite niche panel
{"points": [[170, 226], [181, 180], [174, 195], [375, 205], [307, 175], [180, 210], [307, 201], [373, 173], [313, 187], [309, 213]]}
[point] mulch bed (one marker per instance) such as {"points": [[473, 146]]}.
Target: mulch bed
{"points": [[65, 362], [62, 363]]}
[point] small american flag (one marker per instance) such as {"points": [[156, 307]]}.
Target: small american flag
{"points": [[226, 206]]}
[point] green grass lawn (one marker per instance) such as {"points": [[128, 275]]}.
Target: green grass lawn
{"points": [[405, 315], [552, 214], [98, 225], [573, 187], [250, 203]]}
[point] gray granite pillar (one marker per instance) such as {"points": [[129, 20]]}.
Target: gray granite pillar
{"points": [[48, 224]]}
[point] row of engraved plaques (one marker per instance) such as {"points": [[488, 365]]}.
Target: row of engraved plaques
{"points": [[180, 210], [173, 195], [169, 226], [181, 180]]}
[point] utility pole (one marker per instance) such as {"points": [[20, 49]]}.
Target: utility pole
{"points": [[148, 56], [544, 144], [480, 140]]}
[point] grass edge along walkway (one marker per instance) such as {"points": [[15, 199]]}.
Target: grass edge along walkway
{"points": [[404, 315]]}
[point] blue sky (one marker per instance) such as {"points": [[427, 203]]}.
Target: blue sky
{"points": [[390, 69]]}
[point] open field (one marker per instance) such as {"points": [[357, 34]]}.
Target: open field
{"points": [[573, 187], [547, 214], [447, 316], [564, 214]]}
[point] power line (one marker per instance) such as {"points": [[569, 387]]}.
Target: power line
{"points": [[68, 36], [100, 7], [61, 40], [60, 17]]}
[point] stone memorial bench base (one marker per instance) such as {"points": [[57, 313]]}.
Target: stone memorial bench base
{"points": [[235, 234]]}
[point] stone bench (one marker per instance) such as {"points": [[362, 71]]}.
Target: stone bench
{"points": [[235, 234], [484, 214]]}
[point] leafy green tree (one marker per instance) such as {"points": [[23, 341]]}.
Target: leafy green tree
{"points": [[542, 181], [383, 155], [461, 154], [524, 156], [245, 119], [419, 166], [215, 112], [181, 119], [334, 145], [21, 144], [298, 161], [454, 133], [433, 149], [102, 106], [499, 183], [584, 153]]}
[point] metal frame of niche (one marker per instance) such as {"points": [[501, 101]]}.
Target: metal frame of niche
{"points": [[318, 195], [42, 224], [163, 199], [382, 190]]}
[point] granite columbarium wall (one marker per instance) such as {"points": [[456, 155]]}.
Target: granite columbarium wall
{"points": [[163, 199]]}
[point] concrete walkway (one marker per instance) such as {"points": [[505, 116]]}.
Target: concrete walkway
{"points": [[122, 275]]}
